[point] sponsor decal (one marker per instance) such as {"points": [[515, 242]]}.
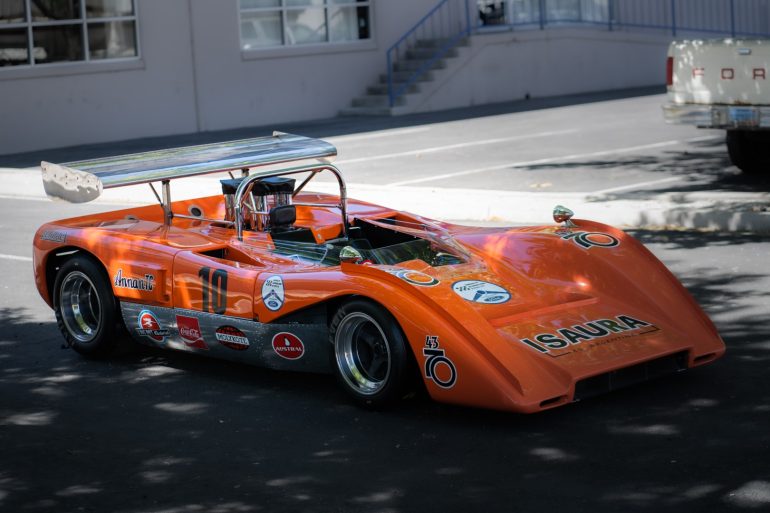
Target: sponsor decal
{"points": [[54, 236], [414, 277], [232, 338], [150, 327], [273, 293], [438, 367], [123, 282], [590, 239], [190, 331], [288, 345], [609, 329], [481, 292]]}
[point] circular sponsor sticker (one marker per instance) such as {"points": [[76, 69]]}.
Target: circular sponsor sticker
{"points": [[150, 327], [481, 292], [417, 278], [232, 338], [273, 293], [288, 345]]}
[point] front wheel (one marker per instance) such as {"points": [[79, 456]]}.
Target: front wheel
{"points": [[85, 308], [370, 353]]}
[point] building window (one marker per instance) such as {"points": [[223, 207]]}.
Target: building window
{"points": [[275, 23], [39, 32]]}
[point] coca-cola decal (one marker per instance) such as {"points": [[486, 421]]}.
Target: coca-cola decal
{"points": [[288, 345], [232, 338], [190, 331], [150, 327]]}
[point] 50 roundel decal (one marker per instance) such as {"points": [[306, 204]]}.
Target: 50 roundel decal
{"points": [[481, 292], [588, 240]]}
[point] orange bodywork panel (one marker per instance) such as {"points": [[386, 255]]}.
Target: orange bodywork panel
{"points": [[527, 319]]}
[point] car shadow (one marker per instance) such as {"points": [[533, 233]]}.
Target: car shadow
{"points": [[156, 431]]}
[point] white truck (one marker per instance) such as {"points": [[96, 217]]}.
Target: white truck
{"points": [[724, 84]]}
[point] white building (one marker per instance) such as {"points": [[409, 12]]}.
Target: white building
{"points": [[87, 71]]}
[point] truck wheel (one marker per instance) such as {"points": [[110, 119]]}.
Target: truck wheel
{"points": [[749, 150], [370, 354], [86, 310]]}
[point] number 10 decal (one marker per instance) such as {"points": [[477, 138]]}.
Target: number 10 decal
{"points": [[214, 287]]}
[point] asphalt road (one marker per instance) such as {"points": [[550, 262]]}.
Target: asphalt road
{"points": [[152, 431], [603, 142]]}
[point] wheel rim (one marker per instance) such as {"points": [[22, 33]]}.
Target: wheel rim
{"points": [[80, 307], [362, 352]]}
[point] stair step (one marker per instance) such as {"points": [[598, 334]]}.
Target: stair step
{"points": [[428, 53], [376, 100], [439, 42], [383, 88], [406, 76], [416, 64]]}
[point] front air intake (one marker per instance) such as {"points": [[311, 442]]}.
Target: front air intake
{"points": [[632, 375]]}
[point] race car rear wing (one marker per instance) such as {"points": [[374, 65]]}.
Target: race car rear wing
{"points": [[82, 181]]}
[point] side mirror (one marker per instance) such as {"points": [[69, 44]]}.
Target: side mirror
{"points": [[562, 214], [350, 255]]}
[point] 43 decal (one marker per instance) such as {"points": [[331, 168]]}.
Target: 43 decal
{"points": [[590, 239], [214, 289], [438, 367]]}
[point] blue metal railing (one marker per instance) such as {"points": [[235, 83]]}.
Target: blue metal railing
{"points": [[444, 26], [718, 17], [450, 21]]}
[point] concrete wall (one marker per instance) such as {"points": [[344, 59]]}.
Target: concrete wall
{"points": [[238, 89], [506, 66], [62, 105], [192, 77]]}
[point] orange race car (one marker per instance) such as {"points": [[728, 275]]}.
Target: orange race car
{"points": [[519, 319]]}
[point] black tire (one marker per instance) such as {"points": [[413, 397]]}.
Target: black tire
{"points": [[86, 310], [749, 150], [370, 354]]}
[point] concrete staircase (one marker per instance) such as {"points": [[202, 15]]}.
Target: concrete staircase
{"points": [[375, 101]]}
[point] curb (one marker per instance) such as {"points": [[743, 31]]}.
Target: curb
{"points": [[721, 211]]}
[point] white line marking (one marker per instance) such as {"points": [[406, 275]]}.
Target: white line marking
{"points": [[15, 257], [25, 198], [454, 146], [548, 160], [640, 184], [373, 135]]}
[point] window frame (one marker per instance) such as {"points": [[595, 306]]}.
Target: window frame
{"points": [[285, 48], [83, 24]]}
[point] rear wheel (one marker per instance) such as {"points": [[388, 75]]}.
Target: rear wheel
{"points": [[86, 310], [370, 353], [749, 150]]}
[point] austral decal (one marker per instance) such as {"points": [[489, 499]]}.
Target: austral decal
{"points": [[54, 236], [232, 338], [588, 240], [150, 327], [415, 277], [288, 345], [481, 292], [123, 282], [273, 293], [438, 367], [597, 329], [190, 331]]}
